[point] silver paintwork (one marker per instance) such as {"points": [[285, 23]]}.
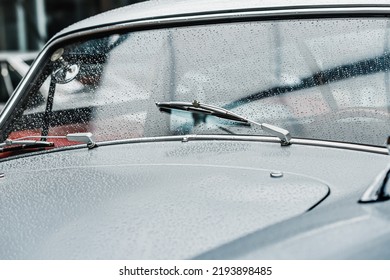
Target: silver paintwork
{"points": [[376, 191], [126, 199], [149, 200], [168, 9]]}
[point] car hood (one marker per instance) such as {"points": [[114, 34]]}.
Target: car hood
{"points": [[142, 211]]}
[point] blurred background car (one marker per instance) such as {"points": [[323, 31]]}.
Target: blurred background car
{"points": [[26, 25], [13, 67]]}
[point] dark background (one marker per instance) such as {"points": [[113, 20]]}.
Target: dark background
{"points": [[26, 25]]}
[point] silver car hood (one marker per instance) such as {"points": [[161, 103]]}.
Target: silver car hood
{"points": [[195, 199], [52, 208]]}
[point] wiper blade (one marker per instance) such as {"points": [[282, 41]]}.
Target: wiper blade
{"points": [[10, 142], [197, 107], [15, 145]]}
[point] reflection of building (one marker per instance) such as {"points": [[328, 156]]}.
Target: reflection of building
{"points": [[28, 24]]}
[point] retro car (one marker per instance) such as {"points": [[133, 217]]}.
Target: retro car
{"points": [[203, 130]]}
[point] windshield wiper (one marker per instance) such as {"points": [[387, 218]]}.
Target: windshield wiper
{"points": [[15, 145], [197, 107], [24, 143]]}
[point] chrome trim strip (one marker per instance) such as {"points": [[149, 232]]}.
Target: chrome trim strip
{"points": [[263, 139], [197, 19], [341, 145], [185, 20], [194, 137]]}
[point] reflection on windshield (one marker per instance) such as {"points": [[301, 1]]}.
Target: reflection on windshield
{"points": [[323, 79]]}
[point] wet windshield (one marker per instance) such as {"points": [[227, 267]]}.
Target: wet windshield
{"points": [[322, 79]]}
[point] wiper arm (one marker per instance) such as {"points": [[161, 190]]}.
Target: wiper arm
{"points": [[24, 143], [197, 107]]}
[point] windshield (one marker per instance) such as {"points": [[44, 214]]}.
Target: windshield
{"points": [[324, 79]]}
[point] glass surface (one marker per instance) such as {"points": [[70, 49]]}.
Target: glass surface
{"points": [[322, 79]]}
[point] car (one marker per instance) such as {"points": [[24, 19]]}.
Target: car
{"points": [[13, 67], [203, 130]]}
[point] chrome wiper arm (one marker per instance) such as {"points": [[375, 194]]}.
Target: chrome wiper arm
{"points": [[197, 107], [24, 143]]}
